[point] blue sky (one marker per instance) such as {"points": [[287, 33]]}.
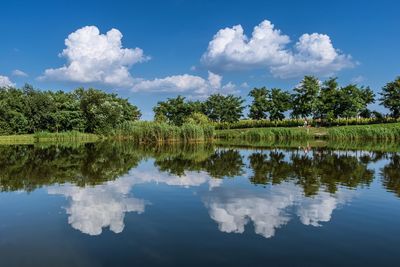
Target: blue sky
{"points": [[160, 49]]}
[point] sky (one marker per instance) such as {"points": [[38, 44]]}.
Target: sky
{"points": [[148, 51]]}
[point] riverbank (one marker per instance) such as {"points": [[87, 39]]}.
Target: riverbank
{"points": [[389, 131], [148, 132], [44, 137]]}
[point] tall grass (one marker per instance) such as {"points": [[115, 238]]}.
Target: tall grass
{"points": [[64, 137], [370, 132], [259, 134], [153, 132], [243, 124], [39, 137]]}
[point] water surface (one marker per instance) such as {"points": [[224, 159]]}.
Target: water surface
{"points": [[114, 204]]}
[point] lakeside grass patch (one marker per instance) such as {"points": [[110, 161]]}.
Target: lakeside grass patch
{"points": [[260, 134], [366, 132], [43, 137], [153, 132], [385, 132]]}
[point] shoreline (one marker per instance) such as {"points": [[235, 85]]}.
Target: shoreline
{"points": [[375, 132]]}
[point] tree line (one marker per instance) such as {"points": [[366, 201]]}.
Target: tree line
{"points": [[310, 99], [28, 110]]}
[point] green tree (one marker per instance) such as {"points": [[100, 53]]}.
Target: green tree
{"points": [[353, 100], [221, 108], [28, 110], [305, 98], [175, 110], [103, 112], [278, 102], [328, 100], [259, 103], [391, 97]]}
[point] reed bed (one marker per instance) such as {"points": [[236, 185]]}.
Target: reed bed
{"points": [[243, 124], [369, 132], [74, 136], [260, 134], [153, 132]]}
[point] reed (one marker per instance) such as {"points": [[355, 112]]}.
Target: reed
{"points": [[154, 132], [41, 137], [244, 124], [259, 134], [74, 136], [365, 132]]}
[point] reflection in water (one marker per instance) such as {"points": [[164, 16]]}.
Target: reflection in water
{"points": [[94, 207], [189, 179], [98, 180], [233, 208], [391, 174]]}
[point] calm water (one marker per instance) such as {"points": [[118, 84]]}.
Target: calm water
{"points": [[116, 205]]}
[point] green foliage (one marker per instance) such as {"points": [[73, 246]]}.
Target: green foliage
{"points": [[305, 98], [174, 110], [197, 118], [103, 112], [274, 101], [221, 108], [279, 102], [258, 106], [328, 100], [28, 110], [352, 100], [391, 97]]}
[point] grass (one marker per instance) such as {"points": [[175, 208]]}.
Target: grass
{"points": [[260, 134], [365, 132], [152, 132], [387, 132], [248, 123], [42, 137]]}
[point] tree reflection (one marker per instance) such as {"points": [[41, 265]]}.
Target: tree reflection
{"points": [[311, 171], [391, 174], [218, 164], [30, 167]]}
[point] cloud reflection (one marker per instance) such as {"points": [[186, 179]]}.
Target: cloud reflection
{"points": [[94, 208], [234, 208]]}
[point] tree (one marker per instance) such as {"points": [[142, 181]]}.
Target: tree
{"points": [[305, 99], [328, 100], [259, 103], [29, 110], [391, 97], [103, 112], [197, 118], [175, 110], [278, 102], [353, 100], [224, 108]]}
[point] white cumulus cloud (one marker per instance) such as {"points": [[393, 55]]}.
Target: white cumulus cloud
{"points": [[19, 73], [187, 83], [231, 49], [6, 82], [95, 57]]}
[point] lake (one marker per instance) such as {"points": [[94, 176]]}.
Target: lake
{"points": [[116, 204]]}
